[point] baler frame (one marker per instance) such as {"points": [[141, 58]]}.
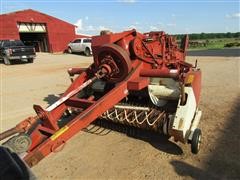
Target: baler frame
{"points": [[127, 61]]}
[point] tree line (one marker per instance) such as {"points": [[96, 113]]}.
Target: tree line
{"points": [[196, 36]]}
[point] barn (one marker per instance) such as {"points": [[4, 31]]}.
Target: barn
{"points": [[46, 33]]}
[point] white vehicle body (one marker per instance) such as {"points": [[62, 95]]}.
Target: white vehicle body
{"points": [[80, 45]]}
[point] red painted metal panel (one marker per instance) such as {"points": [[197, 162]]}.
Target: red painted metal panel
{"points": [[59, 32], [8, 28]]}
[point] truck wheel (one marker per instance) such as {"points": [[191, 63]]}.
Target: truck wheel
{"points": [[6, 61], [196, 141], [87, 52], [69, 50], [30, 60]]}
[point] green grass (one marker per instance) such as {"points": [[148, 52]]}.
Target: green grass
{"points": [[214, 43]]}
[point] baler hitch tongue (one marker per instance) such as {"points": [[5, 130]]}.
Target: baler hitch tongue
{"points": [[9, 133], [26, 124], [22, 127]]}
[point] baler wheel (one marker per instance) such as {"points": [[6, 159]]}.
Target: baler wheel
{"points": [[196, 141]]}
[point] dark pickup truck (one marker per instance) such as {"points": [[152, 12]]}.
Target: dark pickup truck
{"points": [[12, 50]]}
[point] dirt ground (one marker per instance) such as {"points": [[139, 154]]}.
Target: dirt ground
{"points": [[116, 155]]}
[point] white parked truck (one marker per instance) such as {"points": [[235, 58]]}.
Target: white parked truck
{"points": [[80, 45]]}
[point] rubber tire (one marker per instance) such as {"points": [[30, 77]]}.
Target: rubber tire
{"points": [[6, 61], [30, 60], [196, 141], [87, 52], [69, 50]]}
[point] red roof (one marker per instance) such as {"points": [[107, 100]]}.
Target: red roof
{"points": [[34, 11]]}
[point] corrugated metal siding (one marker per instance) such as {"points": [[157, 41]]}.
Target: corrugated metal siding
{"points": [[60, 33], [8, 28]]}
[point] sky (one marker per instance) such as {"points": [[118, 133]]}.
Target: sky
{"points": [[171, 16]]}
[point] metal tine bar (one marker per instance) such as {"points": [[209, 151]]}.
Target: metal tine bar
{"points": [[137, 116], [109, 115], [126, 116], [131, 113], [134, 115], [121, 115], [132, 107], [160, 115], [147, 115], [149, 123], [142, 112], [117, 115]]}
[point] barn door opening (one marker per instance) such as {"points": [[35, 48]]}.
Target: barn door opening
{"points": [[38, 40], [34, 34]]}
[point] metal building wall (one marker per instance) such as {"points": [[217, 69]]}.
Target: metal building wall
{"points": [[59, 32]]}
